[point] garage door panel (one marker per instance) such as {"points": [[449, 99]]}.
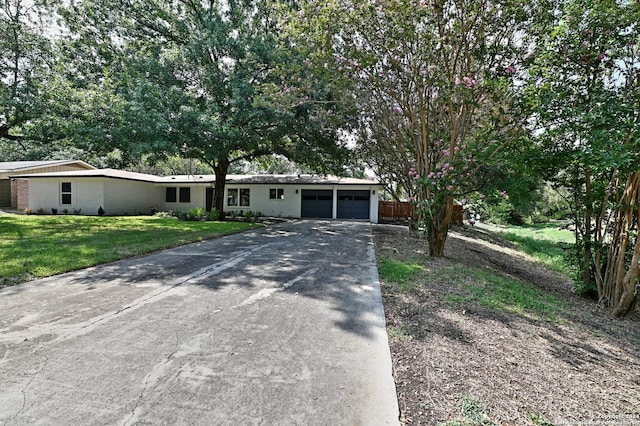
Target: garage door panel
{"points": [[353, 204], [317, 203]]}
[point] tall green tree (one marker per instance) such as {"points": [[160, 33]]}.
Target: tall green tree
{"points": [[25, 60], [206, 80], [586, 82], [433, 84]]}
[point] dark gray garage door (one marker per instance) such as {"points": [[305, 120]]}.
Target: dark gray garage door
{"points": [[353, 204], [317, 203]]}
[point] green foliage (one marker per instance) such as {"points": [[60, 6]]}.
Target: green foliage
{"points": [[39, 246], [25, 60], [500, 292], [195, 214], [220, 84], [538, 420], [214, 214], [399, 333], [433, 85], [583, 91], [164, 215], [472, 413], [546, 242], [401, 274], [499, 211]]}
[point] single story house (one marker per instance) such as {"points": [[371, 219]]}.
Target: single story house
{"points": [[9, 188], [120, 192]]}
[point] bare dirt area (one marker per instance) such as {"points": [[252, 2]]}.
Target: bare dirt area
{"points": [[461, 362]]}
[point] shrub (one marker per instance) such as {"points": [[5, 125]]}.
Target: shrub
{"points": [[248, 215], [77, 211], [40, 211], [27, 211], [163, 214], [194, 214], [214, 214], [100, 211], [54, 211], [65, 211]]}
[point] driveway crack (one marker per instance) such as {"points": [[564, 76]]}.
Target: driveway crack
{"points": [[148, 380], [24, 389]]}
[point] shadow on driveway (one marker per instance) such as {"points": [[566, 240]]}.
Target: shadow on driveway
{"points": [[277, 325]]}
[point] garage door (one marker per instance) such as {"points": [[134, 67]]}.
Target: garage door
{"points": [[353, 204], [317, 203]]}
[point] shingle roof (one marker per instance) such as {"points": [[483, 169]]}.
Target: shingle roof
{"points": [[110, 173], [231, 179], [297, 179], [15, 166]]}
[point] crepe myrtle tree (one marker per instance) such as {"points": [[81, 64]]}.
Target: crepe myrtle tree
{"points": [[585, 83], [433, 85]]}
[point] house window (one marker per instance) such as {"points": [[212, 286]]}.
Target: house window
{"points": [[172, 195], [245, 197], [185, 195], [232, 197], [65, 193], [276, 193], [238, 197]]}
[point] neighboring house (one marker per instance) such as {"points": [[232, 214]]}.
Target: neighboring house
{"points": [[9, 188], [126, 193]]}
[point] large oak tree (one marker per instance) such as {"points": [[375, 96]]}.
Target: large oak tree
{"points": [[207, 80]]}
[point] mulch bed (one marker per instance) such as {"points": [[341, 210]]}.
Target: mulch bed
{"points": [[583, 366]]}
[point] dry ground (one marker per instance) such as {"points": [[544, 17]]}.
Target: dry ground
{"points": [[453, 357]]}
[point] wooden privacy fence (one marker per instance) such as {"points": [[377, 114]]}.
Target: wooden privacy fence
{"points": [[404, 210], [394, 210]]}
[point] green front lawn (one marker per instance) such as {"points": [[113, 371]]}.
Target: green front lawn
{"points": [[40, 246]]}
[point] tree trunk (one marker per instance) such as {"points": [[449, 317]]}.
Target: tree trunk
{"points": [[439, 227], [588, 231], [220, 169], [622, 275]]}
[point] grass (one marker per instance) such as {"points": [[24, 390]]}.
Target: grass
{"points": [[472, 413], [40, 246], [545, 242], [402, 274], [492, 289], [400, 333]]}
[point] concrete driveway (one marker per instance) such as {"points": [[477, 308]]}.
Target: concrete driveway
{"points": [[282, 325]]}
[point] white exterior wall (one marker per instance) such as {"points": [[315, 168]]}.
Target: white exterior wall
{"points": [[291, 205], [87, 195], [45, 194], [128, 197], [198, 198], [260, 203], [373, 204]]}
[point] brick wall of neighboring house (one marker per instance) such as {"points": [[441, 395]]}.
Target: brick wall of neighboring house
{"points": [[19, 193]]}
